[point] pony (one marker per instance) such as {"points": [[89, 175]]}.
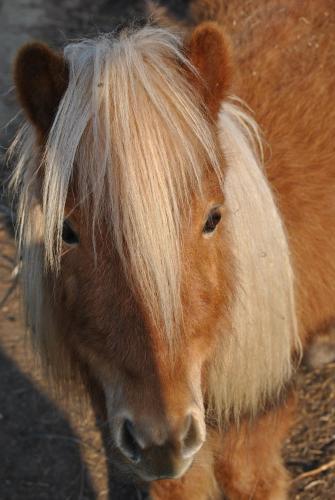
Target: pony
{"points": [[177, 247]]}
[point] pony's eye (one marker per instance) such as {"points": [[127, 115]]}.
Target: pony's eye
{"points": [[68, 234], [212, 221]]}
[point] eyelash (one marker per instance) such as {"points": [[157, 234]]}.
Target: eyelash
{"points": [[212, 222]]}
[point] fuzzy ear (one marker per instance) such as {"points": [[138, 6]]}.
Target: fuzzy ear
{"points": [[41, 78], [209, 51]]}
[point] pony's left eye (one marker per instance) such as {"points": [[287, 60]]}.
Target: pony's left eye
{"points": [[68, 234], [212, 221]]}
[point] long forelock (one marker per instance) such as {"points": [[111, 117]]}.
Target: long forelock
{"points": [[134, 134]]}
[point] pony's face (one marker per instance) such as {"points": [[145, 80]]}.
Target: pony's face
{"points": [[153, 386], [153, 381]]}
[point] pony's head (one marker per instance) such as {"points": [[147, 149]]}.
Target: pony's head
{"points": [[131, 255]]}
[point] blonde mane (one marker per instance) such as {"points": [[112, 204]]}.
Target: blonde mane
{"points": [[126, 93], [253, 361]]}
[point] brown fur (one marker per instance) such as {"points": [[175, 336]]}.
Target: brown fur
{"points": [[284, 69], [209, 51], [249, 463], [41, 77]]}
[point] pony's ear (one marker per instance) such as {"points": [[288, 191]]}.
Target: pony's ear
{"points": [[41, 78], [209, 51]]}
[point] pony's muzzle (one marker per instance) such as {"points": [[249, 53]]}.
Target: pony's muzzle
{"points": [[156, 452]]}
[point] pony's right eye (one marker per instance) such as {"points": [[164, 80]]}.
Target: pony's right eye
{"points": [[213, 220], [68, 235]]}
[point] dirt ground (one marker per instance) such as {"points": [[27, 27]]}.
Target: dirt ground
{"points": [[49, 449]]}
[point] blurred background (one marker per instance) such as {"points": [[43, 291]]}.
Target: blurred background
{"points": [[48, 449]]}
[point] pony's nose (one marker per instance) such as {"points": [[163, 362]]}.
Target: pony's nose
{"points": [[157, 445]]}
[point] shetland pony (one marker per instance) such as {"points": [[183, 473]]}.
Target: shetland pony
{"points": [[164, 264]]}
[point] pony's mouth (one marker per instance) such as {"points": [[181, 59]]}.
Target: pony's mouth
{"points": [[168, 470]]}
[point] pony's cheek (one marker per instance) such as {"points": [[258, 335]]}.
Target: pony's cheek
{"points": [[70, 291]]}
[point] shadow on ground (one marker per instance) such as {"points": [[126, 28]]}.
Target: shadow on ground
{"points": [[41, 458]]}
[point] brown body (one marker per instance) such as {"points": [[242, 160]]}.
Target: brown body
{"points": [[153, 396], [286, 75]]}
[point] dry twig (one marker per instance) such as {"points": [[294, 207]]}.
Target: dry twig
{"points": [[314, 472]]}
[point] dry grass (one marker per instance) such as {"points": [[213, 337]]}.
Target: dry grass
{"points": [[310, 451]]}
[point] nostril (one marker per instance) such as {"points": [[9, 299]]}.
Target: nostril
{"points": [[128, 443], [192, 439]]}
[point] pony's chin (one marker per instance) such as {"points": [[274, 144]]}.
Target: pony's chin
{"points": [[176, 473]]}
